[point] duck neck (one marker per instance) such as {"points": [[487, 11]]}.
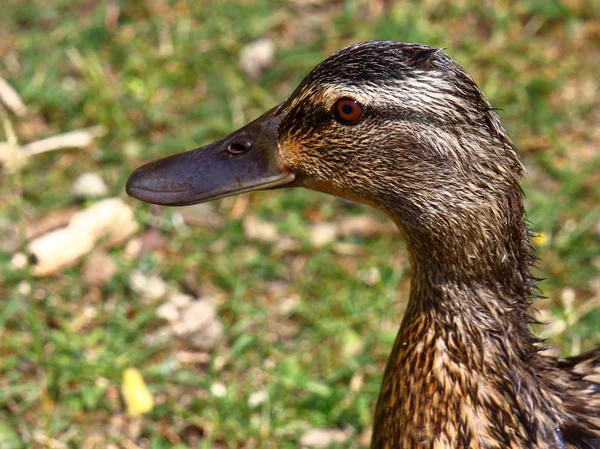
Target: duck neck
{"points": [[471, 277], [471, 300], [474, 269], [486, 281], [462, 364]]}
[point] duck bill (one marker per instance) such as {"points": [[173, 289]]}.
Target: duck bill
{"points": [[245, 161]]}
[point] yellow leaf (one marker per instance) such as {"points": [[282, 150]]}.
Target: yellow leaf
{"points": [[138, 398], [540, 239]]}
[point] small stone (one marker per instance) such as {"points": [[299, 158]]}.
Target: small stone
{"points": [[321, 438], [9, 236], [208, 337], [353, 344], [356, 382], [94, 440], [18, 261], [364, 439], [288, 304], [347, 249], [181, 300], [24, 288], [199, 325], [168, 311], [257, 56], [193, 357], [202, 215], [287, 244], [219, 362], [152, 240], [257, 398], [218, 390], [256, 229], [567, 297], [197, 315], [218, 246], [133, 248], [322, 233], [89, 185], [84, 318], [372, 276], [149, 287], [159, 337]]}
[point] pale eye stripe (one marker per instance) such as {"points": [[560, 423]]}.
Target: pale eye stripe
{"points": [[408, 100]]}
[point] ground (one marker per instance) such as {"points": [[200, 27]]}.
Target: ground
{"points": [[308, 320]]}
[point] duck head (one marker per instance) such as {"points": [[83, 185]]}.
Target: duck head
{"points": [[397, 126]]}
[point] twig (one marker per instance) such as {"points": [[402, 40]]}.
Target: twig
{"points": [[12, 156], [11, 98], [73, 139]]}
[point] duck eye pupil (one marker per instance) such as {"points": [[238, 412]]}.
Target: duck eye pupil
{"points": [[347, 109]]}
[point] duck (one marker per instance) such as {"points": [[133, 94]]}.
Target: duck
{"points": [[403, 128]]}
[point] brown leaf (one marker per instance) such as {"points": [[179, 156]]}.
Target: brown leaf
{"points": [[99, 268]]}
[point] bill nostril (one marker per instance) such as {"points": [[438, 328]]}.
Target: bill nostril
{"points": [[239, 146]]}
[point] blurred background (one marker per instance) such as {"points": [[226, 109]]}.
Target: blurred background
{"points": [[265, 320]]}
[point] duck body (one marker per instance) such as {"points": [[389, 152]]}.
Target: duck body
{"points": [[403, 128]]}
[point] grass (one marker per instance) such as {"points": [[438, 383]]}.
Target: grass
{"points": [[310, 326]]}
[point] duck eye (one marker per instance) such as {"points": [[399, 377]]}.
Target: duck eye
{"points": [[347, 110]]}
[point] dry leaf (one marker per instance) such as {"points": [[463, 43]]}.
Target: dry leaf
{"points": [[109, 221], [540, 240], [138, 398], [321, 438]]}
